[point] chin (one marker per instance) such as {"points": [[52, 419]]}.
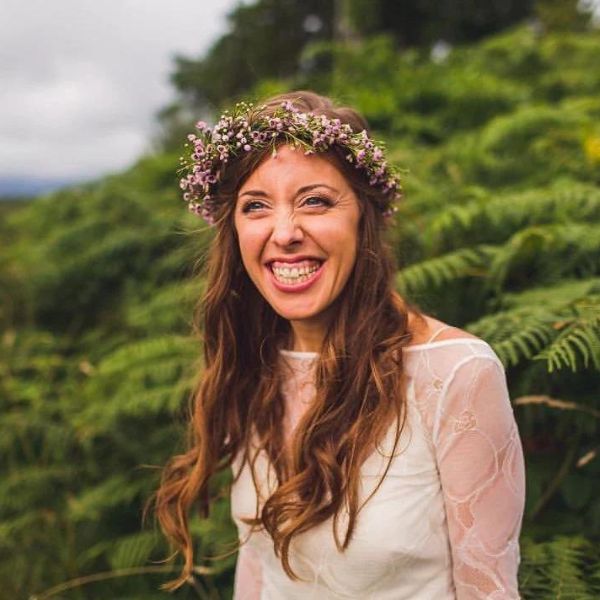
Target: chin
{"points": [[317, 317], [291, 314]]}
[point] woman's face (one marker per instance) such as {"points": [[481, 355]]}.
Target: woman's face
{"points": [[297, 222]]}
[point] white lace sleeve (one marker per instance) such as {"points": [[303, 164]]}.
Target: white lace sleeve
{"points": [[248, 575], [482, 471]]}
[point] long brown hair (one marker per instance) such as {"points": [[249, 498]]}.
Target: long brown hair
{"points": [[237, 405]]}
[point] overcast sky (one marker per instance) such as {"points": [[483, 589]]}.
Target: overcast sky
{"points": [[81, 80]]}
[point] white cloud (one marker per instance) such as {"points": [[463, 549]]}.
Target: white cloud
{"points": [[82, 81]]}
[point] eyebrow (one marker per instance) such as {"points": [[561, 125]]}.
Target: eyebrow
{"points": [[302, 190]]}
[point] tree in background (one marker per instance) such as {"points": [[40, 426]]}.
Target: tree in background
{"points": [[423, 22], [268, 39], [564, 15], [264, 41]]}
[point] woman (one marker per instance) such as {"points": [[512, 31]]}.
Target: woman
{"points": [[374, 448]]}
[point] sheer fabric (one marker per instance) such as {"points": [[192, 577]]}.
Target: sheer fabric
{"points": [[445, 522]]}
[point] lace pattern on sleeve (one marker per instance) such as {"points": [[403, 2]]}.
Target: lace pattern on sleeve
{"points": [[480, 460]]}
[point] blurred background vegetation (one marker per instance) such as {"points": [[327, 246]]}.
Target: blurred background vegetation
{"points": [[493, 109]]}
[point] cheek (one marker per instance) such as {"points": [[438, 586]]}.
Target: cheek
{"points": [[345, 238], [246, 252], [250, 244], [349, 261]]}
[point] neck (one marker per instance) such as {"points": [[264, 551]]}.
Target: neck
{"points": [[307, 336]]}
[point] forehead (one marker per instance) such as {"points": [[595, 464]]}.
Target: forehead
{"points": [[291, 167]]}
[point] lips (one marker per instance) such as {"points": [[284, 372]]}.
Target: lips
{"points": [[296, 272], [295, 276]]}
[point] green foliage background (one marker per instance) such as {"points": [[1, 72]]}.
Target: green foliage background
{"points": [[499, 234]]}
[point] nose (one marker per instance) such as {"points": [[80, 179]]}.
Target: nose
{"points": [[286, 230]]}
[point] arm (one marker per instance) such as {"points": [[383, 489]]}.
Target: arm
{"points": [[482, 472], [248, 575]]}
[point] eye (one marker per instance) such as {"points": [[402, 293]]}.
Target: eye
{"points": [[252, 206], [317, 201]]}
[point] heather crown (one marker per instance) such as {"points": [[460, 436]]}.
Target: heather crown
{"points": [[247, 128]]}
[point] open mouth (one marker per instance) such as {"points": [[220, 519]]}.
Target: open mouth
{"points": [[295, 273]]}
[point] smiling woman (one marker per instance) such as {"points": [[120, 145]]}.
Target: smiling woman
{"points": [[298, 242], [374, 449]]}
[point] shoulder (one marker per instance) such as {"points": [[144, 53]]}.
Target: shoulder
{"points": [[448, 349], [425, 329]]}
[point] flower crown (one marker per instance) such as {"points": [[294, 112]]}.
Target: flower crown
{"points": [[246, 128]]}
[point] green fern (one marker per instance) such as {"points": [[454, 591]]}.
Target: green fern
{"points": [[579, 338], [167, 309], [134, 550], [543, 252], [435, 272], [494, 218], [563, 333], [561, 568], [96, 500]]}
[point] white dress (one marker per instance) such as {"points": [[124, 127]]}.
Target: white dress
{"points": [[444, 524]]}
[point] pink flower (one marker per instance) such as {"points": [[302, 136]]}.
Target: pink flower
{"points": [[245, 130]]}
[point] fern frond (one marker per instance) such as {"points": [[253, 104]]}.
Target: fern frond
{"points": [[559, 332], [555, 250], [132, 403], [523, 146], [523, 344], [146, 351], [552, 297], [434, 272], [558, 569], [168, 309], [95, 500], [32, 484], [19, 527], [493, 219], [579, 337], [133, 550]]}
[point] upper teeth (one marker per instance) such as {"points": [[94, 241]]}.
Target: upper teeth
{"points": [[299, 270]]}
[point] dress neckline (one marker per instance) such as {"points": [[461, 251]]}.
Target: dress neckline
{"points": [[298, 353], [308, 355], [440, 343]]}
